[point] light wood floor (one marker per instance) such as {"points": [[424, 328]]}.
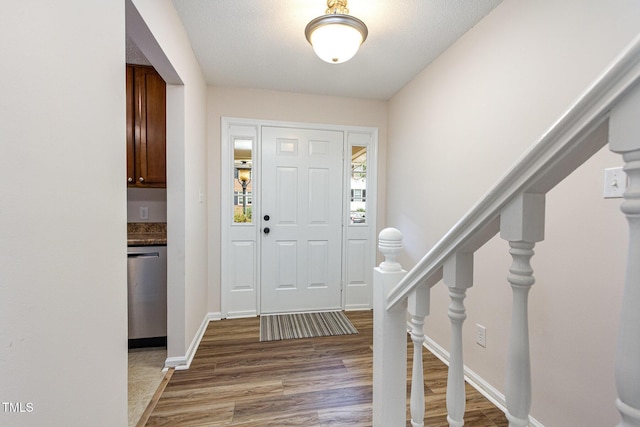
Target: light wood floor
{"points": [[235, 380]]}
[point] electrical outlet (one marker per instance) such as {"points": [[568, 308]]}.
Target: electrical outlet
{"points": [[481, 336], [144, 212]]}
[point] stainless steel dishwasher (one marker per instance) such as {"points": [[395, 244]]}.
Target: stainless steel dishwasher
{"points": [[147, 291]]}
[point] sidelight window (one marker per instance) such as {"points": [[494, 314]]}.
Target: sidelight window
{"points": [[242, 177], [358, 186]]}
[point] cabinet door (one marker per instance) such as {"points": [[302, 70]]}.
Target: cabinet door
{"points": [[146, 127], [151, 97]]}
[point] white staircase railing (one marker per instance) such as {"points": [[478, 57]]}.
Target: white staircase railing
{"points": [[608, 112]]}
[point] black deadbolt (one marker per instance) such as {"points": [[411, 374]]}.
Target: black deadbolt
{"points": [[266, 217]]}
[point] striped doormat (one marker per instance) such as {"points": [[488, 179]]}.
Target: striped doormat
{"points": [[304, 325]]}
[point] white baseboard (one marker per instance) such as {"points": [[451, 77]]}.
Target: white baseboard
{"points": [[180, 363], [357, 307], [475, 380], [176, 362], [241, 314], [212, 316]]}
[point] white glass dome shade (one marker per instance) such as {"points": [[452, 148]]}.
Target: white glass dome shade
{"points": [[336, 38]]}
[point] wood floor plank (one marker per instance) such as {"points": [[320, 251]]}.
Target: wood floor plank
{"points": [[172, 415], [237, 381], [352, 416], [283, 420], [302, 402], [228, 393], [324, 381]]}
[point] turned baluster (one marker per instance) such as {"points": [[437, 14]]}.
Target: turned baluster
{"points": [[418, 308], [458, 276], [624, 130], [521, 224]]}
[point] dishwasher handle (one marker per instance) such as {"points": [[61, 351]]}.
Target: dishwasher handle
{"points": [[144, 255]]}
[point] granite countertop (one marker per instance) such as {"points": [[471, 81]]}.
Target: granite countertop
{"points": [[146, 233]]}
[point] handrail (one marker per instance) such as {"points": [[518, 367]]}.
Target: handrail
{"points": [[576, 136]]}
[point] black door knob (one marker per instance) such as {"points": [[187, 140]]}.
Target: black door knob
{"points": [[266, 217], [266, 230]]}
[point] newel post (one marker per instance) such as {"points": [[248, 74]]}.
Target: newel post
{"points": [[624, 138], [389, 337]]}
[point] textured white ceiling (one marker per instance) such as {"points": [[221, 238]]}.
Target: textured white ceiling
{"points": [[261, 43]]}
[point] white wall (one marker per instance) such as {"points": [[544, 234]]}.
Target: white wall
{"points": [[468, 117], [186, 171], [63, 307], [283, 106]]}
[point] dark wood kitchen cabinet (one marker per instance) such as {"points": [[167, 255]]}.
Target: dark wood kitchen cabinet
{"points": [[146, 127]]}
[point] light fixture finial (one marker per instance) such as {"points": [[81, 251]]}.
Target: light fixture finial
{"points": [[337, 6]]}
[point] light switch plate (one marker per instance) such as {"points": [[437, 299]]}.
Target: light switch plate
{"points": [[615, 182]]}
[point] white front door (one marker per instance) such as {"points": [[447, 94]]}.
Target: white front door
{"points": [[301, 223]]}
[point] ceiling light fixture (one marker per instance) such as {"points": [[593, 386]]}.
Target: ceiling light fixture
{"points": [[336, 36]]}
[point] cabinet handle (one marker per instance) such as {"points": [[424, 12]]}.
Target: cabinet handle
{"points": [[141, 179], [130, 179], [144, 255]]}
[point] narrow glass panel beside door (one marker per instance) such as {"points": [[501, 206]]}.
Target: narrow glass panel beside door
{"points": [[358, 205], [242, 188]]}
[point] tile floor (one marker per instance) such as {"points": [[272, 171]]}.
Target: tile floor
{"points": [[145, 374]]}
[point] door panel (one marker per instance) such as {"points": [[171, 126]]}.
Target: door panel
{"points": [[286, 195], [318, 264], [319, 195], [301, 265]]}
